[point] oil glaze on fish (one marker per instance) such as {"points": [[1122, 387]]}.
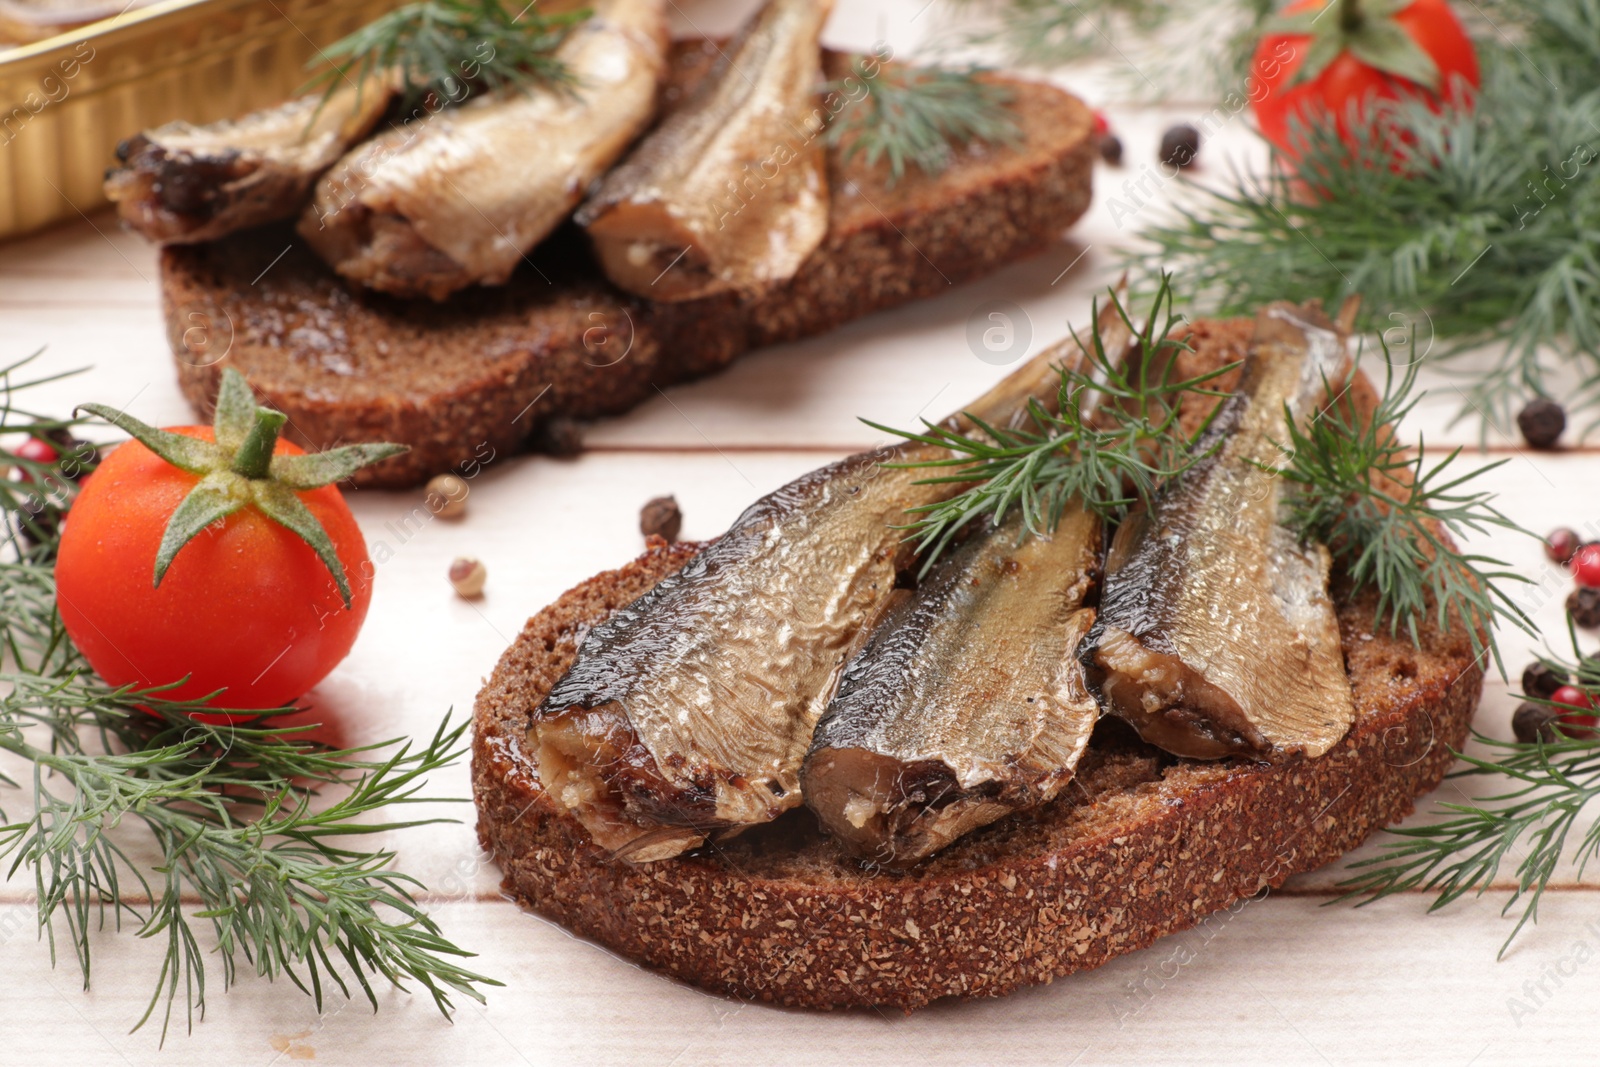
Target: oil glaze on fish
{"points": [[968, 702], [1216, 635], [730, 193], [459, 196], [690, 710], [180, 183]]}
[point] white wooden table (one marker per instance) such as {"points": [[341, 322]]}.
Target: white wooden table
{"points": [[1287, 980]]}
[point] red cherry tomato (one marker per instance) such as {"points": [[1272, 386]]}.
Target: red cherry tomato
{"points": [[1582, 721], [246, 606], [1572, 697], [1585, 566], [1347, 80], [36, 451]]}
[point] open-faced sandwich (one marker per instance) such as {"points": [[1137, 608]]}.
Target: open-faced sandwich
{"points": [[455, 264], [817, 762]]}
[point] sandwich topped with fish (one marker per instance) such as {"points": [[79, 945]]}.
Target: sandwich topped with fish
{"points": [[938, 720], [424, 190], [478, 216], [458, 193]]}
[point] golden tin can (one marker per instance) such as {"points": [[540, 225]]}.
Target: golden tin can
{"points": [[66, 101]]}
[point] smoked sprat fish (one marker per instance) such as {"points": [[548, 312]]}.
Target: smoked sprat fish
{"points": [[730, 192], [690, 710], [459, 196], [968, 702], [1216, 635], [181, 183]]}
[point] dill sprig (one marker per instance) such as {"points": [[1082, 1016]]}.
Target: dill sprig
{"points": [[1393, 520], [917, 115], [253, 820], [443, 47], [1109, 454], [1553, 783], [1476, 224]]}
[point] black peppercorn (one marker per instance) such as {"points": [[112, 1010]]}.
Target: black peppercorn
{"points": [[1561, 545], [1111, 149], [1539, 680], [1583, 604], [661, 517], [1180, 145], [1542, 422], [560, 437], [37, 527], [1535, 722]]}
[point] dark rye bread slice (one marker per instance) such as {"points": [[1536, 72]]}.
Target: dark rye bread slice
{"points": [[1142, 845], [485, 369]]}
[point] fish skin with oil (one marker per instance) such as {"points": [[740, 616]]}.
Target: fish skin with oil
{"points": [[458, 196], [689, 711], [968, 702], [730, 192], [1216, 635]]}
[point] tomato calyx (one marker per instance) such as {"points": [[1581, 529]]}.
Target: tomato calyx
{"points": [[1367, 29], [239, 470]]}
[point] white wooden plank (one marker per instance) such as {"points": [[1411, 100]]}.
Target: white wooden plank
{"points": [[1282, 980], [24, 293], [85, 251], [119, 353], [1285, 980]]}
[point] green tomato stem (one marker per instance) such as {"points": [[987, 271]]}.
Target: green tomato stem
{"points": [[238, 470], [1350, 15], [254, 458]]}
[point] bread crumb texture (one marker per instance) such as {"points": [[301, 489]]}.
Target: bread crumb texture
{"points": [[1142, 845]]}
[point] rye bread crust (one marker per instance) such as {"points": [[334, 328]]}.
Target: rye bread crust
{"points": [[480, 373], [1141, 845], [1144, 845]]}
